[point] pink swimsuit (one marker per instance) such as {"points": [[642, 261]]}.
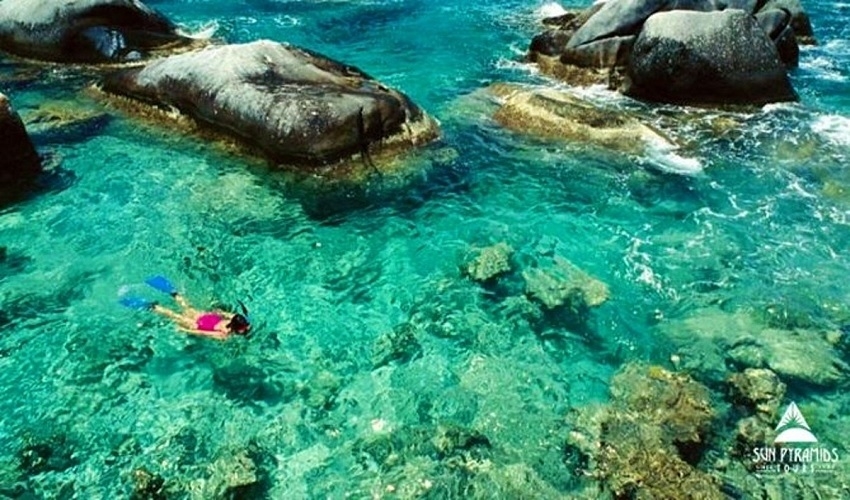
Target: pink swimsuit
{"points": [[208, 321]]}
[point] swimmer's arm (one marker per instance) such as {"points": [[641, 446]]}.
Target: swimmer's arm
{"points": [[203, 333]]}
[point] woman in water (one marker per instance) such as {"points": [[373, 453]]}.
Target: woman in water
{"points": [[217, 323]]}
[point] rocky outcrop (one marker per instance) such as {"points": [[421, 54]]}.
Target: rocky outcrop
{"points": [[294, 106], [706, 58], [597, 45], [800, 23], [85, 31], [19, 162]]}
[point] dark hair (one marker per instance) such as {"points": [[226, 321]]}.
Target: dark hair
{"points": [[239, 324]]}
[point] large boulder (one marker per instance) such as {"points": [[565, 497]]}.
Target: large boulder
{"points": [[85, 31], [594, 46], [625, 17], [19, 162], [706, 58], [296, 107], [777, 23], [799, 19]]}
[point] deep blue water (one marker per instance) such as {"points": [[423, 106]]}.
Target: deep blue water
{"points": [[109, 390]]}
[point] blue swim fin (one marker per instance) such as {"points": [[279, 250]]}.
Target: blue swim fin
{"points": [[137, 303], [162, 284]]}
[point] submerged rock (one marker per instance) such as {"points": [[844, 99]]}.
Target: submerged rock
{"points": [[564, 284], [797, 354], [64, 121], [321, 390], [19, 162], [85, 31], [759, 392], [758, 389], [645, 442], [295, 106], [556, 114], [399, 345], [674, 401], [706, 58], [231, 475], [738, 338], [487, 263], [147, 485]]}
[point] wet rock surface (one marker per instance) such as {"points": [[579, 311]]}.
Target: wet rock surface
{"points": [[19, 163], [294, 106], [706, 58], [557, 114], [605, 41], [85, 31]]}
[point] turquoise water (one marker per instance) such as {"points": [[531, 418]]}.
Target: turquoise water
{"points": [[327, 275]]}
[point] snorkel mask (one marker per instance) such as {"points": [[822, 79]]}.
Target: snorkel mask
{"points": [[239, 323]]}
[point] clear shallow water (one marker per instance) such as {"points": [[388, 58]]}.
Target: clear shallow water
{"points": [[112, 390]]}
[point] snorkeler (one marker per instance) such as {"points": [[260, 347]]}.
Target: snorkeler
{"points": [[217, 324]]}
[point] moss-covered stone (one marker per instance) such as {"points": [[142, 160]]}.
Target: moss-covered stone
{"points": [[64, 120]]}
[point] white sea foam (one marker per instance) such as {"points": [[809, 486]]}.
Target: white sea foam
{"points": [[823, 67], [549, 9], [665, 157], [834, 128], [286, 21], [204, 32], [837, 46]]}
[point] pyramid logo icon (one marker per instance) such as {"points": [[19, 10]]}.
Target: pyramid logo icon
{"points": [[793, 428]]}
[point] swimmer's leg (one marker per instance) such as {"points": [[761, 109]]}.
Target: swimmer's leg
{"points": [[178, 318]]}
